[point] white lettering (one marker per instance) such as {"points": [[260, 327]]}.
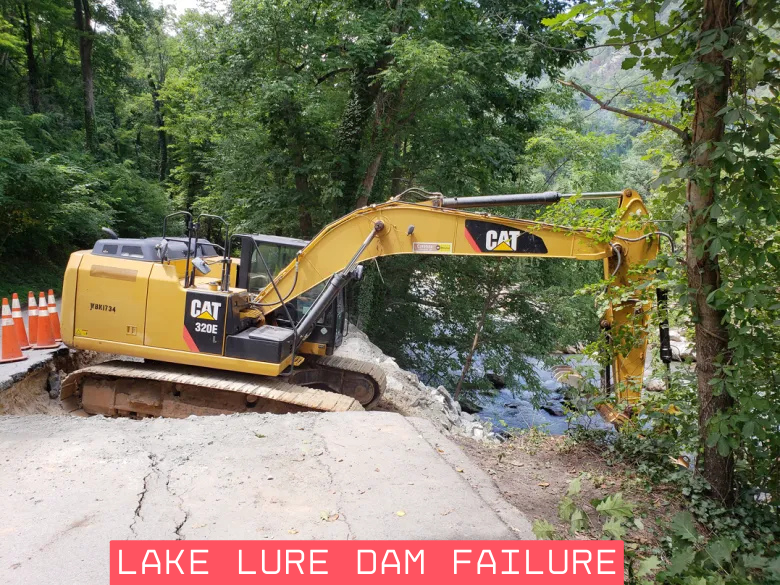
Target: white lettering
{"points": [[574, 561], [491, 239], [565, 563], [494, 238], [194, 562], [491, 564], [528, 570], [195, 308], [313, 562], [510, 571], [169, 562], [396, 564], [457, 561], [121, 572], [373, 562], [606, 562], [241, 571], [299, 562], [144, 565], [410, 558], [278, 563]]}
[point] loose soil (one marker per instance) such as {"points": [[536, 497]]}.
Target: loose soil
{"points": [[533, 471]]}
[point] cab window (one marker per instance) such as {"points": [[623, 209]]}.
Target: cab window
{"points": [[278, 257]]}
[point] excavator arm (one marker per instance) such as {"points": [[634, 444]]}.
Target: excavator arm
{"points": [[440, 226]]}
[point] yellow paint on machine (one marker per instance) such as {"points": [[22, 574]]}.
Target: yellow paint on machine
{"points": [[108, 301], [203, 360]]}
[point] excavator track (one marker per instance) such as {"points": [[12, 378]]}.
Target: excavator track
{"points": [[363, 381], [141, 389]]}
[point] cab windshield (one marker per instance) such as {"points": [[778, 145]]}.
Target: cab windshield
{"points": [[278, 256]]}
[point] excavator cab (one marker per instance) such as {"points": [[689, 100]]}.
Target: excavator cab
{"points": [[278, 252]]}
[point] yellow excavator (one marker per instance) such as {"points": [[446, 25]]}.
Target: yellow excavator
{"points": [[212, 333]]}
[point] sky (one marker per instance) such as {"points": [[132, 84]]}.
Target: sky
{"points": [[182, 5]]}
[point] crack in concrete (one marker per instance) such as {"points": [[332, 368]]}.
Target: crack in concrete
{"points": [[180, 525], [159, 466], [142, 494], [326, 465]]}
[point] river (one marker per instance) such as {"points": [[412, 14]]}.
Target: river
{"points": [[511, 407]]}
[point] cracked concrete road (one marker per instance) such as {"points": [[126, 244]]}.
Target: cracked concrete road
{"points": [[72, 484]]}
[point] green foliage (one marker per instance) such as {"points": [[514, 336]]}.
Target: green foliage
{"points": [[284, 115], [55, 202], [741, 227], [705, 540], [543, 530]]}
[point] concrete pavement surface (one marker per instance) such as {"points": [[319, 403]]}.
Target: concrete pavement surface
{"points": [[72, 484]]}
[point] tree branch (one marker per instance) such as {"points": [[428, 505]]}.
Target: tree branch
{"points": [[330, 74], [629, 114], [602, 46]]}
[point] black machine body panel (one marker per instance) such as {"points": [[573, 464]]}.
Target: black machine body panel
{"points": [[265, 344], [204, 320]]}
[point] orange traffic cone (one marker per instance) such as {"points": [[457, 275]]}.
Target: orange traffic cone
{"points": [[16, 313], [32, 317], [54, 318], [11, 352], [45, 336]]}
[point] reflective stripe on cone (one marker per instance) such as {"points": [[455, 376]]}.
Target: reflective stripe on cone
{"points": [[16, 314], [11, 351]]}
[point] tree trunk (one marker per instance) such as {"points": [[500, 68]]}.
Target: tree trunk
{"points": [[33, 76], [474, 345], [305, 222], [350, 134], [703, 269], [162, 136], [397, 179], [83, 18], [367, 185]]}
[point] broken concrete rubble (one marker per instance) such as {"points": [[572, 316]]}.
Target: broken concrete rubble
{"points": [[410, 397]]}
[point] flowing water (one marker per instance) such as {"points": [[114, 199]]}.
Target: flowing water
{"points": [[511, 407]]}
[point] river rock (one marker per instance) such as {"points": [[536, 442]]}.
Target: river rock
{"points": [[655, 385], [553, 408], [497, 380]]}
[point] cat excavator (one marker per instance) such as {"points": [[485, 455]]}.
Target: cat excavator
{"points": [[251, 326]]}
